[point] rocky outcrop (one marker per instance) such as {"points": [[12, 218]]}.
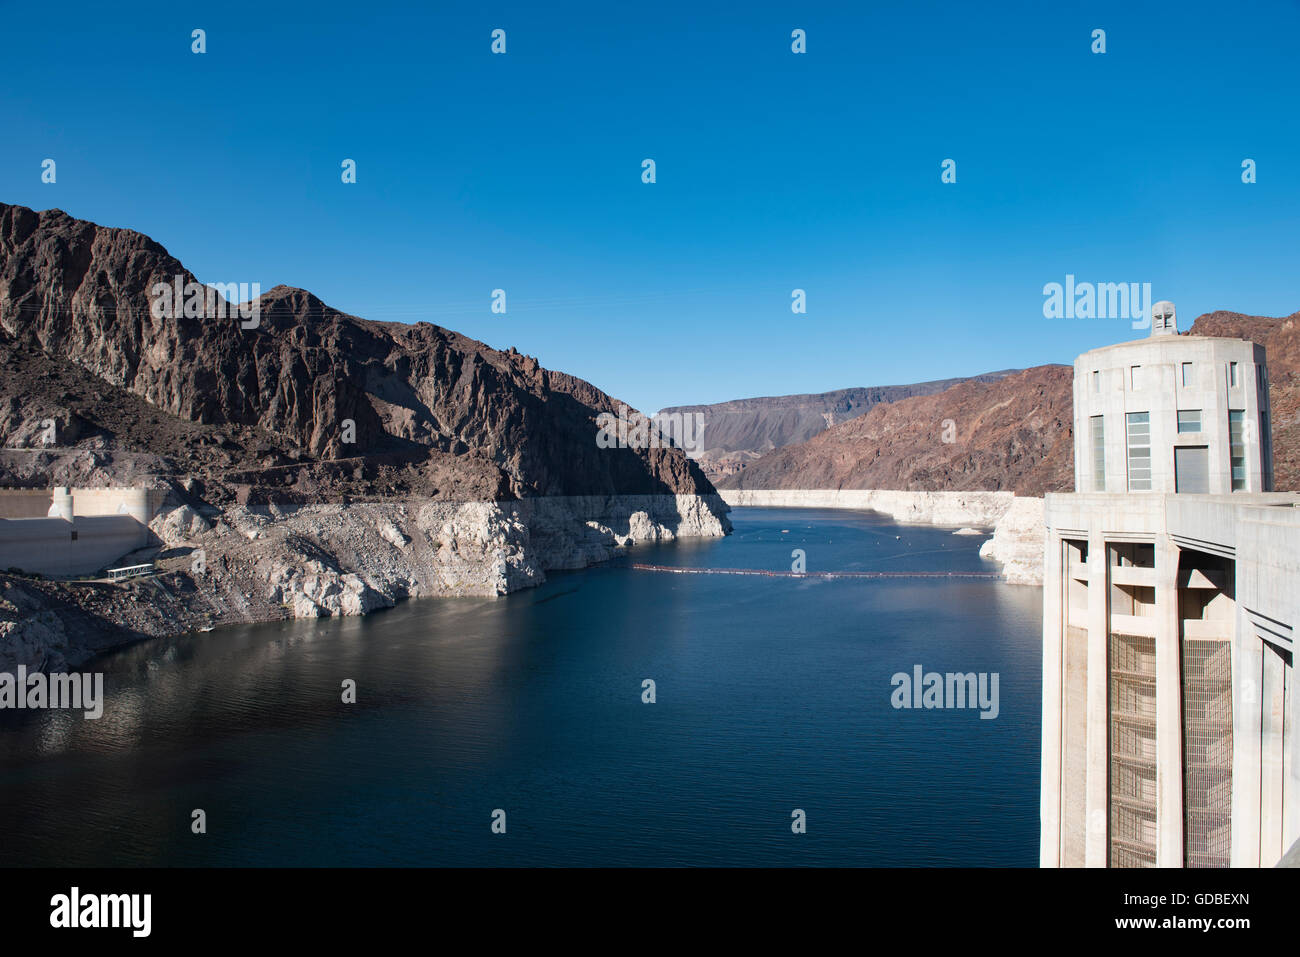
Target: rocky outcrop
{"points": [[400, 550], [31, 632], [1018, 542], [264, 563]]}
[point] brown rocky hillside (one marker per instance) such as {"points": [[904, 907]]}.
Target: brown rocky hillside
{"points": [[738, 432], [432, 412], [1014, 433]]}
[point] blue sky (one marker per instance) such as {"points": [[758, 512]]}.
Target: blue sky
{"points": [[775, 171]]}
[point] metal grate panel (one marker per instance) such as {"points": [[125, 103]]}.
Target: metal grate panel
{"points": [[1207, 752], [1132, 751]]}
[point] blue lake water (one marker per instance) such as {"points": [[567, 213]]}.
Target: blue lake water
{"points": [[772, 694]]}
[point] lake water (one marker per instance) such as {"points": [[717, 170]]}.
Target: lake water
{"points": [[772, 694]]}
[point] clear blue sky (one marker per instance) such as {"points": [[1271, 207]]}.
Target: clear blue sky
{"points": [[775, 170]]}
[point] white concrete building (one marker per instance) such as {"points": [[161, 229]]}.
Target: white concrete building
{"points": [[1171, 591], [73, 531]]}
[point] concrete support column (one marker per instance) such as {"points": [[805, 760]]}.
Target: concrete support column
{"points": [[1247, 675], [1291, 751], [1271, 764], [1054, 618], [135, 502], [1169, 709], [61, 506], [1098, 742]]}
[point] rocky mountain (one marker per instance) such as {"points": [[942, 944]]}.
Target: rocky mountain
{"points": [[309, 462], [1281, 341], [737, 432], [1013, 433], [309, 402]]}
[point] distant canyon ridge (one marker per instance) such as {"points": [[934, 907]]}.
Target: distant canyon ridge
{"points": [[736, 433], [1002, 431]]}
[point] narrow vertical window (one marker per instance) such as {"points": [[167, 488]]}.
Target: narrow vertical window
{"points": [[1096, 382], [1266, 451], [1187, 375], [1098, 427], [1135, 377], [1237, 447], [1232, 374], [1139, 451]]}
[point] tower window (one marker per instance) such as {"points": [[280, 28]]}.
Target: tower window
{"points": [[1266, 451], [1237, 447], [1189, 420], [1187, 375], [1139, 451], [1232, 374], [1097, 425], [1135, 377]]}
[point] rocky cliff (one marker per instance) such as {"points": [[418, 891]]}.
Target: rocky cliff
{"points": [[1019, 541], [315, 463], [308, 385]]}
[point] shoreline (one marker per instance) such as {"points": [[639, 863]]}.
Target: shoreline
{"points": [[244, 565], [1016, 522], [281, 563]]}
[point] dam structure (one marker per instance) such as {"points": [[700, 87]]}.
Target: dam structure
{"points": [[73, 531], [1171, 595]]}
